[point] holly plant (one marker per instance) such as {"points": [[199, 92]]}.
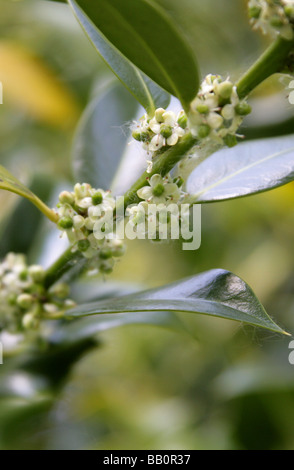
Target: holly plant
{"points": [[190, 132]]}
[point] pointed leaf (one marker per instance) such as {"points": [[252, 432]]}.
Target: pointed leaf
{"points": [[148, 93], [251, 167], [216, 292], [10, 183], [146, 36]]}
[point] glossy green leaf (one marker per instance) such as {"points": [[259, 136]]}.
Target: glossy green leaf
{"points": [[216, 292], [10, 183], [143, 32], [249, 168], [102, 136], [148, 93]]}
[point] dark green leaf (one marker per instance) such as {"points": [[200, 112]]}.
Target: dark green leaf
{"points": [[249, 168], [216, 292], [146, 36], [101, 137], [149, 95]]}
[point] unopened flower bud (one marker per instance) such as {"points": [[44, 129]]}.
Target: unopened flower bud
{"points": [[65, 197], [29, 321], [169, 118], [182, 120], [60, 290], [228, 112], [69, 303], [50, 308], [25, 301], [37, 273], [215, 120], [159, 115], [225, 89]]}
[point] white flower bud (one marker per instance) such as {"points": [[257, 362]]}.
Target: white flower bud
{"points": [[68, 303], [65, 197], [50, 308], [169, 118], [36, 272], [214, 120], [228, 112], [60, 290], [159, 115], [29, 321], [25, 301]]}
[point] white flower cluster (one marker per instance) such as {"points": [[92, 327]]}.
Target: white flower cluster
{"points": [[273, 17], [158, 212], [217, 112], [85, 213], [23, 297], [163, 130]]}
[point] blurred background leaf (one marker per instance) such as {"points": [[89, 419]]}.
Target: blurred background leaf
{"points": [[101, 137]]}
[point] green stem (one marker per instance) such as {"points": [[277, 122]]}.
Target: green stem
{"points": [[62, 265], [162, 165], [272, 61]]}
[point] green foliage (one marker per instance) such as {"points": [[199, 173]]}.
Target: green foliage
{"points": [[250, 168], [145, 35], [100, 139], [148, 94], [217, 292]]}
